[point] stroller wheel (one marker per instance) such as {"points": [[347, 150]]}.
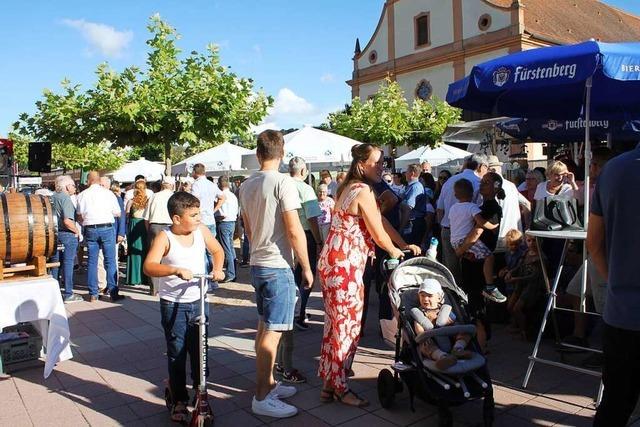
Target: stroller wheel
{"points": [[386, 388]]}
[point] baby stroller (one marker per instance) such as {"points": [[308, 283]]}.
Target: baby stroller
{"points": [[466, 380]]}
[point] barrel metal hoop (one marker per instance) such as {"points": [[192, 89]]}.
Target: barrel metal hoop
{"points": [[27, 200], [45, 212], [7, 228]]}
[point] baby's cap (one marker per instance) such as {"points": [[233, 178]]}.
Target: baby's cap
{"points": [[431, 286]]}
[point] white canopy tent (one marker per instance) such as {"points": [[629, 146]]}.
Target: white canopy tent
{"points": [[152, 171], [223, 157], [439, 156], [321, 149]]}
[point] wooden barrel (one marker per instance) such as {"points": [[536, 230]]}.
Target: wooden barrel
{"points": [[28, 228]]}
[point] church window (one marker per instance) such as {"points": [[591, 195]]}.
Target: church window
{"points": [[422, 30], [484, 22]]}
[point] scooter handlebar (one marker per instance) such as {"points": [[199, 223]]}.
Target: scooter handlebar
{"points": [[203, 276]]}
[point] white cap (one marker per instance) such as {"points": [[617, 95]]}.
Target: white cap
{"points": [[168, 180], [431, 287]]}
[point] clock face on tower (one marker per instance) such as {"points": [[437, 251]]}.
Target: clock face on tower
{"points": [[424, 90]]}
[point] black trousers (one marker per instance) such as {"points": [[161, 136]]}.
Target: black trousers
{"points": [[620, 375], [297, 274], [473, 283], [373, 276]]}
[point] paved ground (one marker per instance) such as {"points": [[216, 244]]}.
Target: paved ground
{"points": [[116, 375]]}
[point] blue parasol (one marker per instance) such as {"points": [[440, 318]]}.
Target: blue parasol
{"points": [[591, 80], [567, 130]]}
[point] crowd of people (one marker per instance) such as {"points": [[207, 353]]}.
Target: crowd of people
{"points": [[294, 233]]}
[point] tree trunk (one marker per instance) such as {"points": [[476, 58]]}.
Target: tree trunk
{"points": [[167, 158]]}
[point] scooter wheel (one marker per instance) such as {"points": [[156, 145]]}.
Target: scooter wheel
{"points": [[386, 388]]}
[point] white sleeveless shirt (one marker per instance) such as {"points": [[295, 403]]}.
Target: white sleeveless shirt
{"points": [[173, 288]]}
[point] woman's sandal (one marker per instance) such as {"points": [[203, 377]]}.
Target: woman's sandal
{"points": [[326, 395], [359, 403]]}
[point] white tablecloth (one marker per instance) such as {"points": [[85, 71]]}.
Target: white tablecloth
{"points": [[38, 301]]}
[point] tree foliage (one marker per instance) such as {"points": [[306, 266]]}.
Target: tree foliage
{"points": [[387, 118], [193, 101]]}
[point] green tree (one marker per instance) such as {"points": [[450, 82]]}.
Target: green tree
{"points": [[387, 118], [194, 101]]}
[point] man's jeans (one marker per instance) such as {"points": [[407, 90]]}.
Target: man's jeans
{"points": [[225, 236], [179, 321], [245, 248], [101, 238], [67, 257], [208, 259]]}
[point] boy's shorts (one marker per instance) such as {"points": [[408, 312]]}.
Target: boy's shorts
{"points": [[275, 296], [479, 249]]}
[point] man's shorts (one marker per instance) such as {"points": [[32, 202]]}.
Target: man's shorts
{"points": [[596, 286], [275, 296]]}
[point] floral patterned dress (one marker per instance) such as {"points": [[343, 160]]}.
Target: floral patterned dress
{"points": [[340, 268]]}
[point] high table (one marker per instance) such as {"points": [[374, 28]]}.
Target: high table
{"points": [[566, 235], [39, 301]]}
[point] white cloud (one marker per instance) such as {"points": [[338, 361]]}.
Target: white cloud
{"points": [[293, 111], [327, 78], [101, 37]]}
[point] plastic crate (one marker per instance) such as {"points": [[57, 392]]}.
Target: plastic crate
{"points": [[21, 349]]}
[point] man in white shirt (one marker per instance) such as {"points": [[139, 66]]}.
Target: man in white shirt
{"points": [[227, 216], [156, 216], [97, 208], [511, 216], [211, 199], [475, 167]]}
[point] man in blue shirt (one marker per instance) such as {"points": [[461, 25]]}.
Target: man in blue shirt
{"points": [[413, 208], [613, 240]]}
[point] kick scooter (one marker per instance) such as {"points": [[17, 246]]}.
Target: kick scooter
{"points": [[202, 414]]}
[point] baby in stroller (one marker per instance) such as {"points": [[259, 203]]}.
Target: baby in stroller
{"points": [[432, 311]]}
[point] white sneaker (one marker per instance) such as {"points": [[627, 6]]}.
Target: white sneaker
{"points": [[281, 391], [272, 407]]}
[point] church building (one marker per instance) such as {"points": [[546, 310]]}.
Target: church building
{"points": [[426, 44]]}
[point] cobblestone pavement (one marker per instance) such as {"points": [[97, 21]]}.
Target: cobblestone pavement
{"points": [[119, 364]]}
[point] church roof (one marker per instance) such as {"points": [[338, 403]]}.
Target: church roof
{"points": [[571, 21]]}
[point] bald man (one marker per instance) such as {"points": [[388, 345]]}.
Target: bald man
{"points": [[97, 210]]}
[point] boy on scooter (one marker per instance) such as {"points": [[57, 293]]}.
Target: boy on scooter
{"points": [[176, 254]]}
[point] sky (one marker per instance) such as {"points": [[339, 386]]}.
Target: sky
{"points": [[298, 51]]}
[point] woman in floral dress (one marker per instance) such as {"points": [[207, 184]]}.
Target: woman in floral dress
{"points": [[356, 225]]}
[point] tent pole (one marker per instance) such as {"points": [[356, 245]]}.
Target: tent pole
{"points": [[587, 162]]}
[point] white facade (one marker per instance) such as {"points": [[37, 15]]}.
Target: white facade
{"points": [[457, 41]]}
